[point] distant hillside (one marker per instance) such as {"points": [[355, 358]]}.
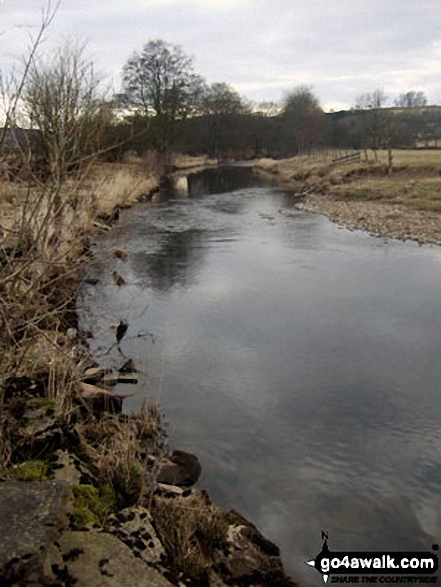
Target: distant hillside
{"points": [[405, 127]]}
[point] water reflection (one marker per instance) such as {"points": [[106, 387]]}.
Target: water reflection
{"points": [[220, 180], [176, 263], [179, 186], [300, 361]]}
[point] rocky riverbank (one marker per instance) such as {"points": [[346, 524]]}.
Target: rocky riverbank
{"points": [[94, 497], [90, 495], [379, 219], [404, 204]]}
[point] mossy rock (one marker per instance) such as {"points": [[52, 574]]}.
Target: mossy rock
{"points": [[35, 470]]}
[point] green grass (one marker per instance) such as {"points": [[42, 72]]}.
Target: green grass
{"points": [[28, 471], [92, 505]]}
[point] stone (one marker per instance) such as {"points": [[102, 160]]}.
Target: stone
{"points": [[91, 281], [68, 468], [121, 254], [214, 580], [95, 374], [101, 560], [32, 516], [171, 490], [181, 468], [110, 379], [248, 558], [128, 367], [39, 430], [134, 527], [126, 379], [22, 386], [100, 400]]}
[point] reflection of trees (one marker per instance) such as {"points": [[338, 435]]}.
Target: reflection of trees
{"points": [[176, 263], [220, 180], [179, 250]]}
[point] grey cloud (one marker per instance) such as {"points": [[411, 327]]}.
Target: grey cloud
{"points": [[341, 47]]}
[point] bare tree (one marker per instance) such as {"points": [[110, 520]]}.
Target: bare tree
{"points": [[220, 104], [371, 100], [12, 89], [161, 77], [304, 119], [62, 101], [375, 122], [411, 99]]}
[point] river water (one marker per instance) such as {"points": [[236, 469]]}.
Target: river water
{"points": [[300, 361]]}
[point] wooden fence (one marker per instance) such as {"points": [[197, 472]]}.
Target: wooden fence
{"points": [[352, 158]]}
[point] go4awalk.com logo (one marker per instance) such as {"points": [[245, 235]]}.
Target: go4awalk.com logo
{"points": [[376, 567]]}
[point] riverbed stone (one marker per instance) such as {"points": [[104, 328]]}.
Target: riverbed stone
{"points": [[95, 374], [165, 490], [180, 468], [248, 558], [100, 400], [32, 516], [99, 559]]}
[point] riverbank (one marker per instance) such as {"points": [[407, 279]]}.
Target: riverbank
{"points": [[88, 494], [403, 202]]}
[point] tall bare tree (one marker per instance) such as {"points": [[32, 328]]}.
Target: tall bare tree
{"points": [[411, 99], [220, 103], [375, 122], [161, 77], [12, 89], [62, 101], [304, 119]]}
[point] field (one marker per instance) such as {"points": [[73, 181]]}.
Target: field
{"points": [[402, 201]]}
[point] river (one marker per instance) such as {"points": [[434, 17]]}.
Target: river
{"points": [[299, 360]]}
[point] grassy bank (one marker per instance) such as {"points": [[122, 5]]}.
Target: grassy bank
{"points": [[400, 201], [44, 241]]}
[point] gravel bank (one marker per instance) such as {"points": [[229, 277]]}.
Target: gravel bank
{"points": [[380, 219]]}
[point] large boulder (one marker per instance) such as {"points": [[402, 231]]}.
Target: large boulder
{"points": [[248, 558], [32, 516], [69, 468], [134, 527], [181, 468], [101, 560]]}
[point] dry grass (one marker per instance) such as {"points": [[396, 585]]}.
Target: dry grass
{"points": [[414, 193], [48, 359], [415, 180], [181, 161], [190, 528], [44, 231], [118, 448], [119, 186]]}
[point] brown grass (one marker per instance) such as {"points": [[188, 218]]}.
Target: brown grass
{"points": [[119, 186], [414, 181], [44, 232], [190, 528], [118, 448]]}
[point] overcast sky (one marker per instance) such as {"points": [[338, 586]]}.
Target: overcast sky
{"points": [[341, 48]]}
